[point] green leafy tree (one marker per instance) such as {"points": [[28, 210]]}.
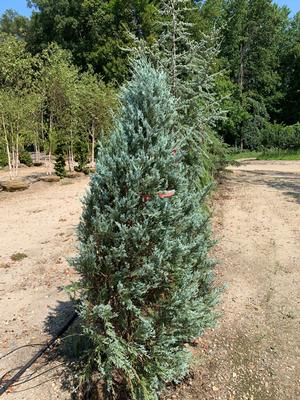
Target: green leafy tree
{"points": [[17, 72], [252, 39], [193, 72], [56, 83], [97, 102], [16, 63], [289, 108], [96, 32], [146, 286], [14, 24]]}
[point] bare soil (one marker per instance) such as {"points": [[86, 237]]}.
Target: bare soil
{"points": [[37, 229], [253, 353]]}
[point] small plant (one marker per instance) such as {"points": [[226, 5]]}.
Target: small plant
{"points": [[18, 257]]}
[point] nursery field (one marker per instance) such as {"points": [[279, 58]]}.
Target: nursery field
{"points": [[254, 353]]}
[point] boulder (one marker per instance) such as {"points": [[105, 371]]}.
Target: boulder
{"points": [[74, 174], [50, 178], [14, 185]]}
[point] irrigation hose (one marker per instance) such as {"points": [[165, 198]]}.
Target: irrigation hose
{"points": [[50, 343]]}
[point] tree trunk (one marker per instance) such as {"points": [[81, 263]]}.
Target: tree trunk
{"points": [[69, 159], [7, 148], [71, 153], [174, 51], [93, 148], [241, 71], [8, 157], [17, 153], [13, 153], [49, 169]]}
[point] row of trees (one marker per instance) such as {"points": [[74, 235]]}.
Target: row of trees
{"points": [[48, 106], [259, 49]]}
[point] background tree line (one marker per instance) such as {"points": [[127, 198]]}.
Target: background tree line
{"points": [[203, 71], [249, 48]]}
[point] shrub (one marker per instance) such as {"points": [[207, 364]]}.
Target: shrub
{"points": [[281, 137], [146, 280], [81, 151], [25, 158], [18, 257], [60, 162], [3, 156]]}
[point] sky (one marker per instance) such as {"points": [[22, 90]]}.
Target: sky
{"points": [[20, 5]]}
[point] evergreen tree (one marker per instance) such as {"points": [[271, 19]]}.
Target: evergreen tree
{"points": [[146, 280], [192, 69], [60, 162]]}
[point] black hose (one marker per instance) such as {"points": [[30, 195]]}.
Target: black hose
{"points": [[18, 375]]}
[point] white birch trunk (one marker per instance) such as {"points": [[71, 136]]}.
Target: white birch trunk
{"points": [[93, 148]]}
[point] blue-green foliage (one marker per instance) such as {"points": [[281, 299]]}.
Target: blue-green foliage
{"points": [[146, 279]]}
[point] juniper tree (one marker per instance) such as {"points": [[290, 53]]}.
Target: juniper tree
{"points": [[146, 280], [60, 163], [193, 72]]}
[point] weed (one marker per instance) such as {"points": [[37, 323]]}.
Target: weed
{"points": [[18, 256]]}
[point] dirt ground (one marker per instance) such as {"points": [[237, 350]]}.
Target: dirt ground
{"points": [[39, 223], [253, 353]]}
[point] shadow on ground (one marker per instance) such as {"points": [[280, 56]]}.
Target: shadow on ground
{"points": [[288, 183], [69, 349]]}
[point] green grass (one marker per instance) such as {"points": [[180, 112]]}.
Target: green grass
{"points": [[244, 154], [272, 154], [277, 154]]}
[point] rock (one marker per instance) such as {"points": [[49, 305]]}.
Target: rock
{"points": [[50, 178], [74, 174], [14, 185]]}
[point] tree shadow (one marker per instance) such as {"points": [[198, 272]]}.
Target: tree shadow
{"points": [[70, 347], [286, 182]]}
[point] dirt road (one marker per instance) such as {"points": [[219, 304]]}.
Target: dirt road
{"points": [[254, 353], [39, 225]]}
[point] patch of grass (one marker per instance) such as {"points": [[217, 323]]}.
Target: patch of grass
{"points": [[66, 181], [279, 154], [18, 256], [271, 154], [239, 155]]}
